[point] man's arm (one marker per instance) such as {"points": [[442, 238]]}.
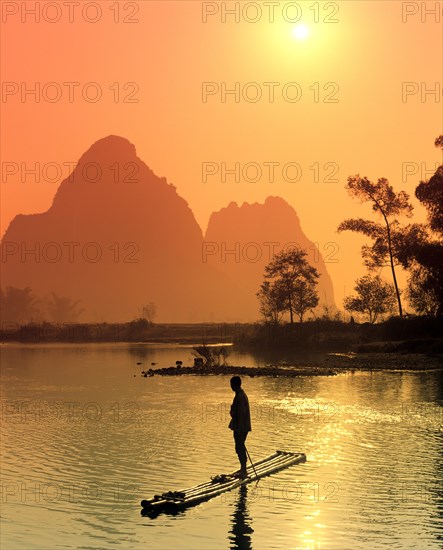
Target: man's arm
{"points": [[243, 414], [234, 414]]}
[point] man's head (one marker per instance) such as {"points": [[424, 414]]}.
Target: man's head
{"points": [[235, 383]]}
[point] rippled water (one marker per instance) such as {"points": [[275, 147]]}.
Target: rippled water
{"points": [[84, 440]]}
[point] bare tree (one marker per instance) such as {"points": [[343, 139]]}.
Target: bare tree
{"points": [[212, 354]]}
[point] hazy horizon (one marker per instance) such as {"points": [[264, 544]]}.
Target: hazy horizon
{"points": [[360, 94]]}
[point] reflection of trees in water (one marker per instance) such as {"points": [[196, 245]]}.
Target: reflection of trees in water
{"points": [[279, 354], [239, 535], [141, 352]]}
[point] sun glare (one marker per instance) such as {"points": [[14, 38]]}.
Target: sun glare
{"points": [[300, 32]]}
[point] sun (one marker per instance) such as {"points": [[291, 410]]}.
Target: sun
{"points": [[300, 32]]}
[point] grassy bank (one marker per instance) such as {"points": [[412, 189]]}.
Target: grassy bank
{"points": [[410, 335], [399, 336], [134, 331]]}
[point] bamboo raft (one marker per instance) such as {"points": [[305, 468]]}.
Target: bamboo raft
{"points": [[174, 501]]}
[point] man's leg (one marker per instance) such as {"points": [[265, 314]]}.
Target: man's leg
{"points": [[240, 449]]}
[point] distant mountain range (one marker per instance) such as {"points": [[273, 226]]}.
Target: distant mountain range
{"points": [[117, 236]]}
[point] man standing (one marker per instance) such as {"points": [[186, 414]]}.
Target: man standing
{"points": [[240, 422]]}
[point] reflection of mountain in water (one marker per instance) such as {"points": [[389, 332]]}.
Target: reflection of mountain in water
{"points": [[117, 236], [239, 536]]}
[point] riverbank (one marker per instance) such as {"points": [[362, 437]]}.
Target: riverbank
{"points": [[409, 335], [138, 331]]}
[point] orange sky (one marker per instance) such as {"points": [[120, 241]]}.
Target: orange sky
{"points": [[169, 52]]}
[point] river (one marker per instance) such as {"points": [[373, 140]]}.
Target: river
{"points": [[85, 438]]}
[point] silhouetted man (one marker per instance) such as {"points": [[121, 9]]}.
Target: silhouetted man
{"points": [[240, 422]]}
